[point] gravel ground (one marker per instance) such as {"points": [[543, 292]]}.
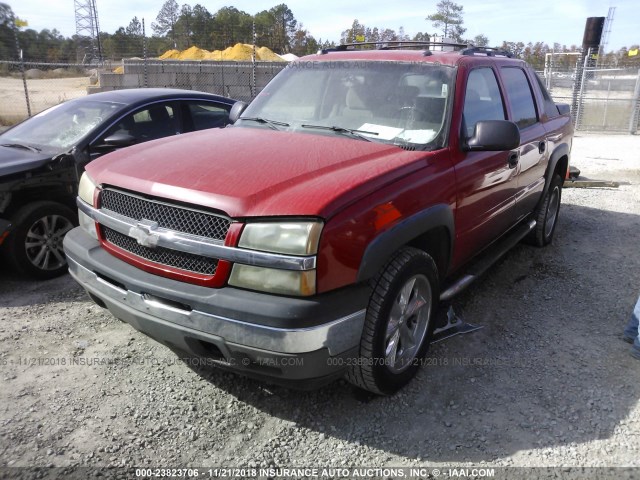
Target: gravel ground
{"points": [[547, 382]]}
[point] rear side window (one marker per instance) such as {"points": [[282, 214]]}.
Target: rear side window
{"points": [[520, 97], [208, 114], [550, 107], [482, 99]]}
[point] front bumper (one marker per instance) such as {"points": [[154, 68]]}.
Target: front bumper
{"points": [[307, 341]]}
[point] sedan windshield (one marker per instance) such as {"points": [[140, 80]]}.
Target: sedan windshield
{"points": [[392, 102], [60, 127]]}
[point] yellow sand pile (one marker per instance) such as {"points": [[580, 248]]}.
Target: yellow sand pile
{"points": [[238, 53], [266, 55], [193, 53], [120, 69], [170, 55]]}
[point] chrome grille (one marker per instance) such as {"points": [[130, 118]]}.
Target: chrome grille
{"points": [[164, 256], [168, 216]]}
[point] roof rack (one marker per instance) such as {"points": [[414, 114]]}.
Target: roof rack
{"points": [[488, 51], [393, 45]]}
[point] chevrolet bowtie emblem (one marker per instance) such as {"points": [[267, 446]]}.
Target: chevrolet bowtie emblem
{"points": [[144, 233]]}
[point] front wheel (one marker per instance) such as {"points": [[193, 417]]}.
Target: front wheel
{"points": [[34, 247], [398, 324], [546, 215]]}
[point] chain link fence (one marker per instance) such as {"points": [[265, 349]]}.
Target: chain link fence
{"points": [[603, 99], [239, 80], [28, 88]]}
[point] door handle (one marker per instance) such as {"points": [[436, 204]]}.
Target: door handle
{"points": [[514, 158], [542, 146]]}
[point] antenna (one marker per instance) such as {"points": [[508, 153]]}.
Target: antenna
{"points": [[88, 31]]}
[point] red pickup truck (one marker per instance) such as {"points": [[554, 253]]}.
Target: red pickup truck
{"points": [[316, 236]]}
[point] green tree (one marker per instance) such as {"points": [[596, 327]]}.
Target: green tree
{"points": [[356, 32], [516, 48], [265, 24], [388, 35], [480, 41], [184, 27], [231, 26], [303, 43], [284, 28], [202, 25], [7, 38], [448, 18], [134, 29], [165, 23]]}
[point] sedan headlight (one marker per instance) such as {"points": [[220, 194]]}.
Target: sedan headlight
{"points": [[287, 238], [86, 191], [293, 238]]}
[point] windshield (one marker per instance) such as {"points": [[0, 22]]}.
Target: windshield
{"points": [[391, 102], [62, 126]]}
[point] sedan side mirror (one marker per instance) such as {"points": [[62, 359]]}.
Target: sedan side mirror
{"points": [[236, 111], [117, 140], [494, 135]]}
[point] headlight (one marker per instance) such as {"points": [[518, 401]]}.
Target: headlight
{"points": [[86, 189], [292, 238], [285, 282], [288, 238]]}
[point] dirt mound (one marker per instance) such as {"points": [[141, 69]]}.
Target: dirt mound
{"points": [[266, 55], [33, 73], [240, 52], [193, 53], [170, 55]]}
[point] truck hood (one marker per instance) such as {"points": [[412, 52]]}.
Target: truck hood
{"points": [[248, 172], [17, 160]]}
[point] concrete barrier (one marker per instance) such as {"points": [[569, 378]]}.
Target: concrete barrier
{"points": [[231, 79]]}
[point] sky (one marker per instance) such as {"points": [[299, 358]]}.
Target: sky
{"points": [[548, 21]]}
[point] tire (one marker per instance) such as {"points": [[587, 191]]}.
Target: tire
{"points": [[398, 324], [34, 246], [546, 215]]}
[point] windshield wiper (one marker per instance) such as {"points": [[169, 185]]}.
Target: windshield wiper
{"points": [[24, 147], [349, 131], [274, 124]]}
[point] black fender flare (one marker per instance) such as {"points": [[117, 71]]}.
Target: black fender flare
{"points": [[559, 152], [384, 245]]}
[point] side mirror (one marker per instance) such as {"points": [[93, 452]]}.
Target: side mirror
{"points": [[236, 111], [117, 140], [564, 108], [494, 135]]}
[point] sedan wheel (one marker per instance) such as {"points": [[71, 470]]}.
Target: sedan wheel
{"points": [[34, 245], [43, 243]]}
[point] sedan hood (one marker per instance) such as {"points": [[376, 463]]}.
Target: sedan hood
{"points": [[257, 172], [17, 160]]}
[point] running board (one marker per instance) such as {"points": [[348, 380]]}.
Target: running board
{"points": [[494, 254]]}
